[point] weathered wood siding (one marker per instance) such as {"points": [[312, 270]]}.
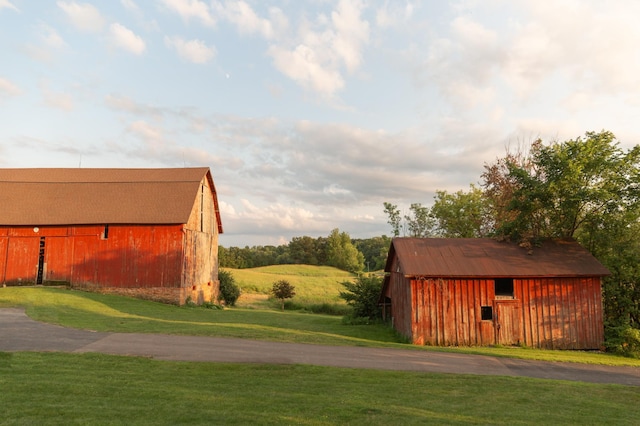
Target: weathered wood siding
{"points": [[200, 268], [553, 313]]}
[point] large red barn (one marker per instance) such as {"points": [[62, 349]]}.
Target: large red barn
{"points": [[150, 233], [468, 292]]}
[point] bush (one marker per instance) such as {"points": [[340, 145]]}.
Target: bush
{"points": [[229, 290], [363, 295], [283, 290], [624, 341]]}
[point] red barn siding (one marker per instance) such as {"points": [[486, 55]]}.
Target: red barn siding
{"points": [[552, 313]]}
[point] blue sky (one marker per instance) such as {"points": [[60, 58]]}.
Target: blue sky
{"points": [[311, 114]]}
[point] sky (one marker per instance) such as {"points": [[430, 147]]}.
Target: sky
{"points": [[312, 114]]}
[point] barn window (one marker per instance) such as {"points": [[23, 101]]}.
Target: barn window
{"points": [[486, 312], [105, 233], [504, 287]]}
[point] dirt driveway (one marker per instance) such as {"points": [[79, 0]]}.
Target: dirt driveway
{"points": [[20, 333]]}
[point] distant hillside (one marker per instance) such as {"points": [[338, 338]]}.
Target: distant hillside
{"points": [[313, 284]]}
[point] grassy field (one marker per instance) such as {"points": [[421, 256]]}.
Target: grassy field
{"points": [[313, 284], [68, 389]]}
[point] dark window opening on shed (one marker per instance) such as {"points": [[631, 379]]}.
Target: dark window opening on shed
{"points": [[105, 233], [486, 312], [504, 287]]}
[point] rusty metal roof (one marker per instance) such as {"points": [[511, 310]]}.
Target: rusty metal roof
{"points": [[56, 196], [484, 257]]}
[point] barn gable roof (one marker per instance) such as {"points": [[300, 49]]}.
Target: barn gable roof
{"points": [[489, 258], [57, 196]]}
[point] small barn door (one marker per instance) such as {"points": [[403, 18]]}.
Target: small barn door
{"points": [[40, 275], [508, 323]]}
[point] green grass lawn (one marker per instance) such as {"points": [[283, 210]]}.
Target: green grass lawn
{"points": [[67, 389]]}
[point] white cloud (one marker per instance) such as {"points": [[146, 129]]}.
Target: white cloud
{"points": [[152, 136], [351, 32], [392, 14], [6, 4], [304, 65], [316, 58], [195, 51], [51, 38], [83, 16], [7, 88], [188, 9], [245, 18], [126, 39]]}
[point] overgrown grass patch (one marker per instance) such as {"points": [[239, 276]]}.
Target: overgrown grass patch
{"points": [[64, 389]]}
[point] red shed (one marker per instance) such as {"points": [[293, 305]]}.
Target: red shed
{"points": [[468, 292], [150, 233]]}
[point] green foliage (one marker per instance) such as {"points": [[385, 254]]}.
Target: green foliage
{"points": [[394, 216], [623, 340], [342, 254], [307, 251], [573, 184], [229, 290], [363, 295], [461, 214], [282, 290], [420, 224], [375, 251]]}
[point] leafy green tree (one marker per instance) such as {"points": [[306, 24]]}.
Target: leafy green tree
{"points": [[461, 214], [375, 251], [363, 295], [395, 219], [419, 223], [342, 254], [229, 290], [572, 184], [304, 250], [282, 290]]}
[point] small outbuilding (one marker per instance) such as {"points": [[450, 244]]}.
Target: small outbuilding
{"points": [[150, 233], [472, 292]]}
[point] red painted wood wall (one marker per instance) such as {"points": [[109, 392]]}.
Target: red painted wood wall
{"points": [[553, 313], [129, 256]]}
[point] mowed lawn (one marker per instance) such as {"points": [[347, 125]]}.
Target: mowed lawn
{"points": [[94, 389], [53, 388]]}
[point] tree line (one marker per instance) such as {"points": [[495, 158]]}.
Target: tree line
{"points": [[338, 249]]}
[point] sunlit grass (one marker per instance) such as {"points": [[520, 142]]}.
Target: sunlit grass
{"points": [[313, 284], [63, 389]]}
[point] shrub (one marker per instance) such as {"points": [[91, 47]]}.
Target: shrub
{"points": [[624, 341], [363, 295], [229, 290], [283, 290]]}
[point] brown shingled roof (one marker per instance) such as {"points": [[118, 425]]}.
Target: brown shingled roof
{"points": [[96, 196], [484, 257]]}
